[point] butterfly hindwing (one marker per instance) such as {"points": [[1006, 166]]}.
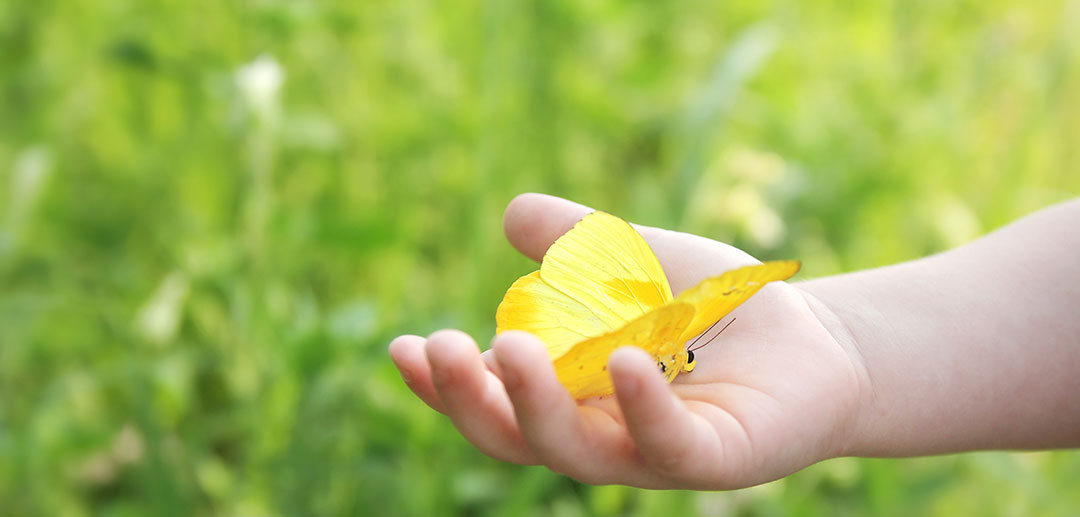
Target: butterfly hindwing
{"points": [[583, 369], [558, 320]]}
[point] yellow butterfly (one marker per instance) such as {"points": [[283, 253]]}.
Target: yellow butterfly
{"points": [[600, 287]]}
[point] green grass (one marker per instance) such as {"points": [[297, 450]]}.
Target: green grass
{"points": [[197, 286]]}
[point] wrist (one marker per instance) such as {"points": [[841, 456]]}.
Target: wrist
{"points": [[834, 314]]}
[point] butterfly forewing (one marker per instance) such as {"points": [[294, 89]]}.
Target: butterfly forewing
{"points": [[607, 266], [715, 297]]}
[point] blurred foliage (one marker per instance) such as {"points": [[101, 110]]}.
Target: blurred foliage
{"points": [[215, 215]]}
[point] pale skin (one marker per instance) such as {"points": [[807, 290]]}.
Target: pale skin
{"points": [[975, 348]]}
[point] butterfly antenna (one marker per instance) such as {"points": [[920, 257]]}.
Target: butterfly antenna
{"points": [[698, 338], [703, 345]]}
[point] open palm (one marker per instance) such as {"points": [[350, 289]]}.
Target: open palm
{"points": [[773, 394]]}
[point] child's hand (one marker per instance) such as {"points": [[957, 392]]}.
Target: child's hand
{"points": [[772, 394], [975, 348]]}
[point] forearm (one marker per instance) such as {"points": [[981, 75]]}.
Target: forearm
{"points": [[975, 348]]}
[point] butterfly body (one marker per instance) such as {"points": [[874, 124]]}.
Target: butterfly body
{"points": [[600, 287]]}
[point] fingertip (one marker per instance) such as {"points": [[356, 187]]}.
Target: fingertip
{"points": [[449, 335], [533, 221], [631, 367], [399, 345], [445, 343], [515, 353], [401, 361], [519, 223], [511, 343], [629, 358], [516, 208], [449, 354], [519, 216], [408, 355]]}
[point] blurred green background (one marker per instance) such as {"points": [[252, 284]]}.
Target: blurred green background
{"points": [[215, 215]]}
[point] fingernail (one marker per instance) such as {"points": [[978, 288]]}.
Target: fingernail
{"points": [[488, 357], [508, 375]]}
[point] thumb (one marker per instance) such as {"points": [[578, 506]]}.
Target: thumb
{"points": [[532, 222]]}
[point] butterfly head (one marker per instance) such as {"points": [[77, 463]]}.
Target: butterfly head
{"points": [[675, 363]]}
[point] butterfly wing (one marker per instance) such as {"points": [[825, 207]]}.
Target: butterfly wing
{"points": [[608, 266], [594, 279], [715, 297], [583, 368], [558, 320]]}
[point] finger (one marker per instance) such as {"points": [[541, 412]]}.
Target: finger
{"points": [[473, 397], [688, 258], [582, 442], [488, 356], [407, 353], [674, 442], [532, 222]]}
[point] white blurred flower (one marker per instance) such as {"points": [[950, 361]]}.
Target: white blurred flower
{"points": [[159, 318], [745, 206], [128, 447], [31, 169], [732, 193], [103, 467], [954, 221], [260, 83]]}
